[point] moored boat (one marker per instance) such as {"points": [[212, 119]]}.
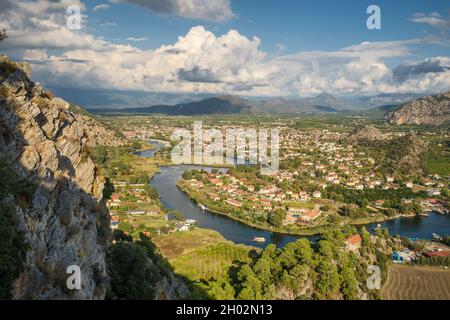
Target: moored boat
{"points": [[377, 227], [436, 237]]}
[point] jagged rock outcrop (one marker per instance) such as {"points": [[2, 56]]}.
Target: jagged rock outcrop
{"points": [[97, 133], [430, 110], [367, 133], [65, 222]]}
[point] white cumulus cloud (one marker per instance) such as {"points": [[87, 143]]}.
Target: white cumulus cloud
{"points": [[433, 19], [201, 61]]}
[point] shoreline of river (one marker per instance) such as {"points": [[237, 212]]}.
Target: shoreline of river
{"points": [[256, 230], [306, 233]]}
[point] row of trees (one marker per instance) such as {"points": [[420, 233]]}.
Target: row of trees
{"points": [[434, 261]]}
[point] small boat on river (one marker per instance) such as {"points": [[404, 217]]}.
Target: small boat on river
{"points": [[436, 237], [377, 227], [259, 239]]}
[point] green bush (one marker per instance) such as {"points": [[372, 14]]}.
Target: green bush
{"points": [[7, 67], [108, 190], [133, 275], [13, 247]]}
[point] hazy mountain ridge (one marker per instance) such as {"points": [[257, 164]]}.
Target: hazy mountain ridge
{"points": [[385, 99], [229, 104]]}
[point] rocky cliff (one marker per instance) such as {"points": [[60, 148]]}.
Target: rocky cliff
{"points": [[430, 110], [64, 221]]}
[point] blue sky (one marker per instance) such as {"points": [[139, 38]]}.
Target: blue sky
{"points": [[242, 47], [297, 25]]}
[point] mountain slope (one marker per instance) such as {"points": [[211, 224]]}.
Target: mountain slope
{"points": [[430, 110], [62, 217]]}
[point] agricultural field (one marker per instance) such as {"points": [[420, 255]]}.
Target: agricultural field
{"points": [[417, 283], [437, 159], [212, 262], [201, 254]]}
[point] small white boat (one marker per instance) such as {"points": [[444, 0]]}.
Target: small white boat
{"points": [[259, 239], [202, 207], [436, 237], [377, 227]]}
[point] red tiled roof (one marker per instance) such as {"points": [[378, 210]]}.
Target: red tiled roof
{"points": [[234, 202], [312, 214], [355, 239]]}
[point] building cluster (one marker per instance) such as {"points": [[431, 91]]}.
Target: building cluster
{"points": [[128, 202], [258, 195]]}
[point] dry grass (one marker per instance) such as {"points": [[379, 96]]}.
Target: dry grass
{"points": [[180, 243], [201, 254], [417, 283]]}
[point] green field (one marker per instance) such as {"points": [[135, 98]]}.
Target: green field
{"points": [[201, 254], [440, 166], [437, 159], [211, 262]]}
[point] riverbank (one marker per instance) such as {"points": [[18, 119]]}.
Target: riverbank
{"points": [[243, 232], [312, 230], [305, 233], [378, 219]]}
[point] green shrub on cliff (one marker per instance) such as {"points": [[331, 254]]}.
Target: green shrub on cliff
{"points": [[13, 246]]}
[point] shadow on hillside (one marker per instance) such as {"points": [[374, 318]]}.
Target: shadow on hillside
{"points": [[58, 221]]}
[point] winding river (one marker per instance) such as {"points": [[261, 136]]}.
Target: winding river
{"points": [[174, 199]]}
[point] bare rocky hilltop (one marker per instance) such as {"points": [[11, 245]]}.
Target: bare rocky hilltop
{"points": [[361, 134], [430, 110], [44, 141]]}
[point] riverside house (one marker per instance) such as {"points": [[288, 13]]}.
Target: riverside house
{"points": [[301, 216], [353, 243]]}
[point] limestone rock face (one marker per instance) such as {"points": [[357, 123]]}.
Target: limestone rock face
{"points": [[65, 222], [431, 110]]}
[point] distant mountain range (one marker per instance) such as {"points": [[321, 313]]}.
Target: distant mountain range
{"points": [[385, 99], [224, 105], [323, 103]]}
